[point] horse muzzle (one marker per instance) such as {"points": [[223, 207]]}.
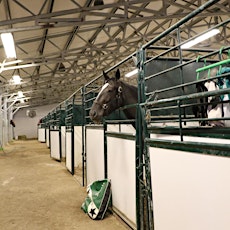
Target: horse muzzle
{"points": [[94, 116]]}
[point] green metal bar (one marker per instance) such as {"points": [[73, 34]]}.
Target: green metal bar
{"points": [[138, 157], [83, 154], [72, 150], [205, 131], [60, 144], [127, 121], [183, 64], [213, 65], [190, 119], [126, 136], [143, 162], [105, 151], [180, 120], [189, 96], [146, 154]]}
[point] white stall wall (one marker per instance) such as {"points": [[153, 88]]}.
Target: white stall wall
{"points": [[190, 191], [122, 173], [48, 137], [55, 145], [121, 167], [63, 141], [77, 146], [68, 151], [42, 134], [28, 126], [94, 154]]}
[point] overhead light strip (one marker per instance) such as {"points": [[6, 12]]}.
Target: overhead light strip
{"points": [[16, 79], [201, 38], [131, 73], [8, 44]]}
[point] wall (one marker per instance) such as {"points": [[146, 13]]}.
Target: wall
{"points": [[28, 126], [190, 191]]}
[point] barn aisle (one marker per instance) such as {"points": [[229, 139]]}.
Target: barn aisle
{"points": [[37, 193]]}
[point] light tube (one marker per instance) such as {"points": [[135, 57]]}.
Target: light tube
{"points": [[20, 94], [201, 38], [16, 79], [8, 44], [131, 73]]}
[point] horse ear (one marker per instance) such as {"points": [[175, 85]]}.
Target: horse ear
{"points": [[118, 74], [105, 76]]}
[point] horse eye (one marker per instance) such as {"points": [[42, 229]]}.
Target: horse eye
{"points": [[104, 106]]}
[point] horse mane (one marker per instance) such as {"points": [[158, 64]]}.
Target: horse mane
{"points": [[130, 96], [132, 89]]}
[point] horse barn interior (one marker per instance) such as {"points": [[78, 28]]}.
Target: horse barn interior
{"points": [[128, 100]]}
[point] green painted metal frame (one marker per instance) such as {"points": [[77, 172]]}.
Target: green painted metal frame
{"points": [[209, 67], [143, 179], [144, 200], [143, 171], [75, 116], [217, 64], [142, 129], [56, 120]]}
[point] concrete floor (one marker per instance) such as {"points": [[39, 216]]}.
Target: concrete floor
{"points": [[38, 193]]}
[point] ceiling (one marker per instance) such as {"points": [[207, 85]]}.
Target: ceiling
{"points": [[61, 45]]}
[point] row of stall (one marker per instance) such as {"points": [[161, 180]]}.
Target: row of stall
{"points": [[171, 170]]}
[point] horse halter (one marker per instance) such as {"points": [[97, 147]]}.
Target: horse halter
{"points": [[117, 97]]}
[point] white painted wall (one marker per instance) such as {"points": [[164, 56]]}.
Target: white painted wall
{"points": [[42, 134], [77, 146], [122, 173], [28, 126], [190, 191]]}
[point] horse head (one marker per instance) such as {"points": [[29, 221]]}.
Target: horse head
{"points": [[108, 99]]}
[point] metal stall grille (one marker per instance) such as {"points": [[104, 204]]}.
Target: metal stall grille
{"points": [[169, 101], [74, 125], [42, 130], [56, 122]]}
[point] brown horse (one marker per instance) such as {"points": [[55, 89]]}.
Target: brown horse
{"points": [[113, 95]]}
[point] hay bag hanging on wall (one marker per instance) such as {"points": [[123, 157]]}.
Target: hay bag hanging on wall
{"points": [[98, 199]]}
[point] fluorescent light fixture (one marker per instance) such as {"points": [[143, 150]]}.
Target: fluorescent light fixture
{"points": [[201, 38], [21, 96], [131, 73], [16, 79], [8, 44]]}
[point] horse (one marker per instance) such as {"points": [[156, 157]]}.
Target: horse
{"points": [[114, 94], [214, 106]]}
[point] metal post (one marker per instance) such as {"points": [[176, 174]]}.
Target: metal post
{"points": [[143, 177], [10, 127], [83, 134], [180, 120], [72, 135], [1, 120], [5, 122], [105, 151], [139, 176], [181, 67]]}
